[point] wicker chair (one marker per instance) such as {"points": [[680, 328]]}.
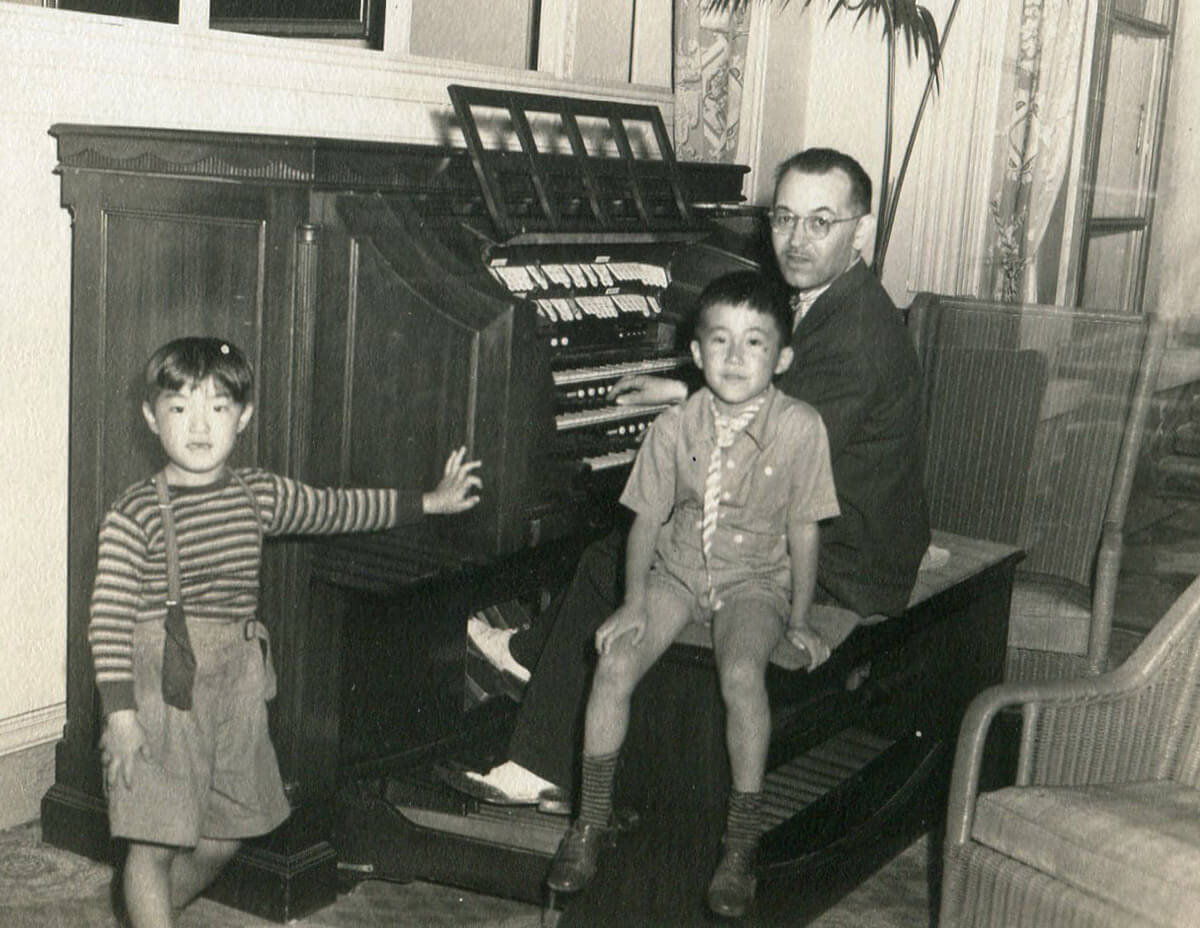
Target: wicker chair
{"points": [[1034, 418], [1102, 826]]}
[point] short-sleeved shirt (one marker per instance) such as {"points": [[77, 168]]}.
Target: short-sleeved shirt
{"points": [[776, 473]]}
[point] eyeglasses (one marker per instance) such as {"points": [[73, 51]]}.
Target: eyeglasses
{"points": [[816, 227]]}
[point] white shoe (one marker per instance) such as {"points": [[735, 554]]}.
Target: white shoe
{"points": [[493, 645], [515, 783]]}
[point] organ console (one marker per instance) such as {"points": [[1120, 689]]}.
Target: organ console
{"points": [[399, 301], [396, 301]]}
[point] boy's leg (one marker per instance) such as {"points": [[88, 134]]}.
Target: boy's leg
{"points": [[194, 869], [147, 885], [622, 666], [617, 674], [744, 634]]}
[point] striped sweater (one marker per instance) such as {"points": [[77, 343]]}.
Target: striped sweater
{"points": [[219, 554]]}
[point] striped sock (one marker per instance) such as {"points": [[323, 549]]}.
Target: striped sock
{"points": [[596, 789], [743, 824]]}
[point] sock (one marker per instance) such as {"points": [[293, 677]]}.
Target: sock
{"points": [[743, 824], [596, 789]]}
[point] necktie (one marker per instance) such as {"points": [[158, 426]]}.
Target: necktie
{"points": [[801, 302], [179, 661], [727, 429]]}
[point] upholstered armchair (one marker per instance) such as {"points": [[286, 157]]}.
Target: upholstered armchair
{"points": [[1102, 824]]}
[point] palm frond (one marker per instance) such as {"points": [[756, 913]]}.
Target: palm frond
{"points": [[720, 6], [913, 22], [906, 18], [903, 22]]}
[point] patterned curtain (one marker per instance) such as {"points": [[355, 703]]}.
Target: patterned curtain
{"points": [[1037, 140], [710, 67]]}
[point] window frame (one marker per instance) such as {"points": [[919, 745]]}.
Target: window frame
{"points": [[1087, 224]]}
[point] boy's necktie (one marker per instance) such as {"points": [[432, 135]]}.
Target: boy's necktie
{"points": [[727, 429], [179, 661]]}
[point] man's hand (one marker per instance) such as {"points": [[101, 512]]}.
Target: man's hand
{"points": [[629, 619], [454, 492], [808, 641], [647, 390], [121, 745]]}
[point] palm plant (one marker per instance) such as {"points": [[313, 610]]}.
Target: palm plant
{"points": [[906, 23]]}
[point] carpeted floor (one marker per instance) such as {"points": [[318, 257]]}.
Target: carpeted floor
{"points": [[44, 887]]}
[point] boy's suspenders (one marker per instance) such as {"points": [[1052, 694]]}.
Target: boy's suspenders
{"points": [[179, 660]]}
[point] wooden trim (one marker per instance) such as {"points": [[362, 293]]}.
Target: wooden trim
{"points": [[29, 729]]}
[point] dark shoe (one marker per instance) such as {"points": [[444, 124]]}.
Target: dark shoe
{"points": [[578, 853], [625, 819], [732, 888]]}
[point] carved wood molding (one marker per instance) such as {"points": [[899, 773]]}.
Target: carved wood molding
{"points": [[309, 161]]}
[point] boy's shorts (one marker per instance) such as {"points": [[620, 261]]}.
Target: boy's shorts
{"points": [[212, 771], [690, 586]]}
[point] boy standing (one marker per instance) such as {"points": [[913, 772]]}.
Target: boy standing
{"points": [[727, 491], [182, 666]]}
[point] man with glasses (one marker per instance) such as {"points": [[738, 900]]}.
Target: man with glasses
{"points": [[854, 363]]}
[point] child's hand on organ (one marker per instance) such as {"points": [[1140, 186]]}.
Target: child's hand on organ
{"points": [[456, 490]]}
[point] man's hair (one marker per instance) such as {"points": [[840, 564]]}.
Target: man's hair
{"points": [[188, 361], [824, 160], [756, 291]]}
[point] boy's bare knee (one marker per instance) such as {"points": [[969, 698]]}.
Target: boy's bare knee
{"points": [[617, 669], [742, 678]]}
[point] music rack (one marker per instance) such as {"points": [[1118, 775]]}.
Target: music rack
{"points": [[539, 199]]}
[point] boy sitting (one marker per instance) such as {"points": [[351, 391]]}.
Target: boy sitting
{"points": [[727, 491], [182, 664]]}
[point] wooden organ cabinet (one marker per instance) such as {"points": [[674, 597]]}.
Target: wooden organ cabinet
{"points": [[396, 301]]}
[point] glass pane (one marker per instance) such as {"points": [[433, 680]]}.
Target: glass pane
{"points": [[603, 36], [489, 32], [1129, 131], [322, 19], [1110, 275], [163, 11], [1155, 11]]}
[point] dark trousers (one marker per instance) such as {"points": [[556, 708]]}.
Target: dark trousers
{"points": [[548, 731]]}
